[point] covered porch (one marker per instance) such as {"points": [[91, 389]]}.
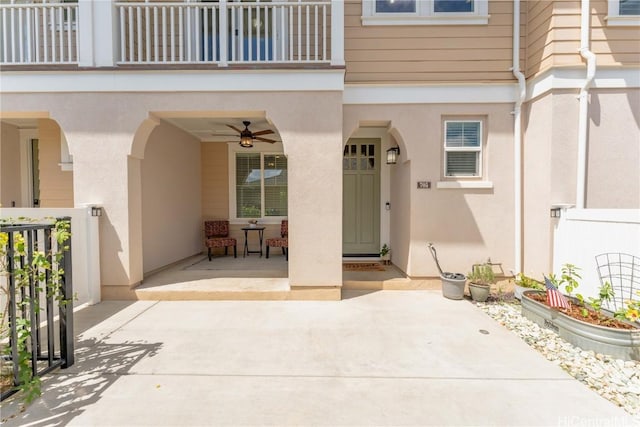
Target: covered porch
{"points": [[258, 278]]}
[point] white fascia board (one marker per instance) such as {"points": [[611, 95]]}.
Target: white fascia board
{"points": [[429, 94], [171, 81], [573, 78]]}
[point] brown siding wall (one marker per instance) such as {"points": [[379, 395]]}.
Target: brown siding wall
{"points": [[10, 167], [56, 186], [613, 45], [553, 37], [428, 53], [215, 181]]}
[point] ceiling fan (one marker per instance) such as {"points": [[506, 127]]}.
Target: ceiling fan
{"points": [[247, 137]]}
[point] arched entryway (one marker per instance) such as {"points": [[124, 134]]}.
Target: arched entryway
{"points": [[194, 169]]}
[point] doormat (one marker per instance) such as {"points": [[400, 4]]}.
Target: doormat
{"points": [[363, 266]]}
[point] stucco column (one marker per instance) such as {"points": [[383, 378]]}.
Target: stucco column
{"points": [[106, 173], [312, 137]]}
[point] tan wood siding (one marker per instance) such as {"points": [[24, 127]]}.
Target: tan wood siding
{"points": [[215, 181], [10, 167], [428, 53], [56, 185], [553, 37], [613, 45]]}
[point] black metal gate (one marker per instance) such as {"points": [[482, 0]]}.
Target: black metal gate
{"points": [[38, 316]]}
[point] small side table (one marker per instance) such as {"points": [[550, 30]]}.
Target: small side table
{"points": [[246, 230]]}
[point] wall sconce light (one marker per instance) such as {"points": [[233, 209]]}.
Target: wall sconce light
{"points": [[555, 212], [96, 211], [392, 155]]}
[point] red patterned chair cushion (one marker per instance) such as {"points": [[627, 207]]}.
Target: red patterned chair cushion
{"points": [[216, 229], [283, 241], [278, 242], [217, 236], [220, 242]]}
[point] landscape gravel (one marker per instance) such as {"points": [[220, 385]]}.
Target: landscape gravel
{"points": [[614, 379]]}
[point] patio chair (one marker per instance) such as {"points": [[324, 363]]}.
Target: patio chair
{"points": [[216, 235], [282, 241]]}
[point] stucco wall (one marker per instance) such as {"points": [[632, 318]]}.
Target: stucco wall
{"points": [[614, 149], [467, 225], [550, 161], [536, 183], [549, 172], [9, 165], [171, 204], [107, 134]]}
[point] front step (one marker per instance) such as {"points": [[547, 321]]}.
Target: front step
{"points": [[397, 284], [300, 294]]}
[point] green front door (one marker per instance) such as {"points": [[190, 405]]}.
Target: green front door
{"points": [[361, 197]]}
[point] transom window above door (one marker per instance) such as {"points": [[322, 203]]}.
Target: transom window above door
{"points": [[425, 12]]}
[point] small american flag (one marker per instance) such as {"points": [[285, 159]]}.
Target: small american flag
{"points": [[554, 297]]}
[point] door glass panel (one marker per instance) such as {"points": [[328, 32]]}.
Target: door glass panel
{"points": [[353, 149], [354, 164], [372, 163], [372, 150]]}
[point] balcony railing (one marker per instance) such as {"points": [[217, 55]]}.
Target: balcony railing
{"points": [[172, 32], [39, 33]]}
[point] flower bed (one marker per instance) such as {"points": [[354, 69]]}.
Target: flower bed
{"points": [[596, 331]]}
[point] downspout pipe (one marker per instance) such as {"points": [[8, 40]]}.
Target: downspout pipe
{"points": [[583, 117], [517, 137]]}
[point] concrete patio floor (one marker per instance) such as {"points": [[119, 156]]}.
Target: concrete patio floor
{"points": [[255, 278], [373, 358]]}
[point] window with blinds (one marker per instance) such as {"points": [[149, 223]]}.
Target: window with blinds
{"points": [[261, 185], [629, 7], [453, 6], [463, 148], [275, 185]]}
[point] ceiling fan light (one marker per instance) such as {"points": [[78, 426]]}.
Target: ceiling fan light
{"points": [[246, 141]]}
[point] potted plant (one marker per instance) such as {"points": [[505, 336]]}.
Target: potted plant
{"points": [[480, 279], [385, 254]]}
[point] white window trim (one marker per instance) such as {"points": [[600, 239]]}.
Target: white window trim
{"points": [[480, 150], [425, 15], [614, 19], [464, 184], [261, 148]]}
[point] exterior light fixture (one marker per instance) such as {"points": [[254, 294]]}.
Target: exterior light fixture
{"points": [[555, 212], [246, 139], [96, 211], [392, 155]]}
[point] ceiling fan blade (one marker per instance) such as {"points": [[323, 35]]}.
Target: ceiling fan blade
{"points": [[234, 128], [271, 141], [263, 132]]}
